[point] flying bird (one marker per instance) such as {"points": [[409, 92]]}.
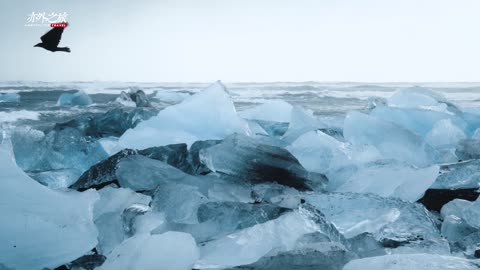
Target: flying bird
{"points": [[51, 40]]}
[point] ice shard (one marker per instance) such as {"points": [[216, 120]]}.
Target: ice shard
{"points": [[244, 158], [168, 251], [41, 227], [79, 98], [207, 115]]}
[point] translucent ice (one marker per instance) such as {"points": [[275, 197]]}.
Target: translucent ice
{"points": [[209, 114], [249, 245], [318, 152], [417, 97], [141, 173], [56, 150], [301, 121], [445, 134], [390, 139], [41, 227], [79, 98], [108, 215], [9, 97], [417, 121], [461, 175], [402, 226], [168, 251], [412, 261], [273, 110], [391, 179], [244, 158]]}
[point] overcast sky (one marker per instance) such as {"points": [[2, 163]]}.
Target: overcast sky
{"points": [[246, 40]]}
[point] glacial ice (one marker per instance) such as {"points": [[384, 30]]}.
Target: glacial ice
{"points": [[445, 134], [421, 98], [207, 115], [134, 98], [412, 261], [318, 152], [108, 215], [461, 175], [417, 121], [111, 123], [273, 111], [393, 141], [468, 149], [217, 219], [41, 227], [65, 149], [301, 121], [168, 251], [141, 173], [391, 179], [79, 98], [244, 158], [402, 226], [9, 97], [250, 244]]}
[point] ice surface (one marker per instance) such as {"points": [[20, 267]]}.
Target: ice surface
{"points": [[417, 121], [301, 121], [9, 97], [272, 110], [417, 97], [460, 175], [243, 158], [318, 152], [111, 123], [217, 219], [79, 98], [108, 215], [445, 134], [56, 179], [390, 139], [249, 245], [207, 115], [412, 261], [65, 149], [468, 149], [402, 226], [391, 179], [104, 172], [41, 227], [141, 173], [168, 251], [326, 256]]}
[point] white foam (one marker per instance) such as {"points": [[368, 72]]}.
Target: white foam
{"points": [[18, 115]]}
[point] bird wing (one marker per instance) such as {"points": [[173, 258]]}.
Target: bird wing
{"points": [[52, 37]]}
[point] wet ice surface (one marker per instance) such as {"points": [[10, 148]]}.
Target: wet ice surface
{"points": [[242, 176]]}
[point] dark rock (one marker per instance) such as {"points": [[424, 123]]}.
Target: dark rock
{"points": [[477, 253], [435, 199], [245, 159]]}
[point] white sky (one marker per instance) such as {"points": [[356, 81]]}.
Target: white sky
{"points": [[247, 40]]}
